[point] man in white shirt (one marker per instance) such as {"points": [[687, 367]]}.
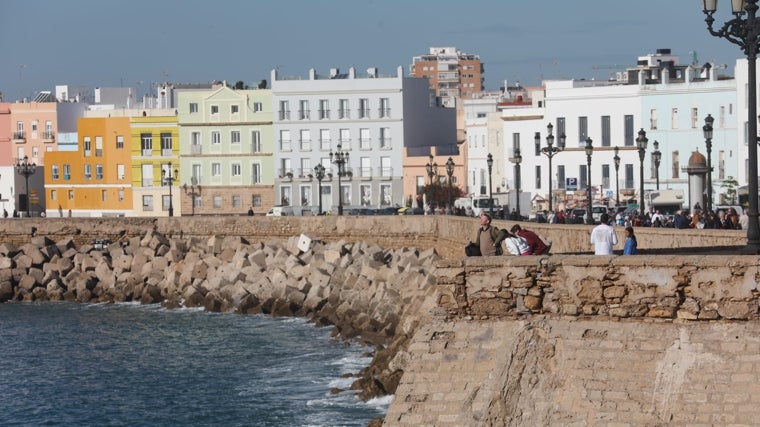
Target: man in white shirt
{"points": [[603, 236]]}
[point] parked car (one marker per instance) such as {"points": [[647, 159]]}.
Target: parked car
{"points": [[576, 216], [597, 211]]}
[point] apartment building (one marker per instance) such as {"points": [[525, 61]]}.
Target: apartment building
{"points": [[225, 151], [376, 122], [154, 148], [452, 74]]}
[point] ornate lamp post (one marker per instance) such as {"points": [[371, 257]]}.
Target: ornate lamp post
{"points": [[550, 151], [168, 179], [432, 171], [319, 172], [707, 129], [656, 157], [489, 162], [517, 159], [617, 176], [744, 31], [450, 173], [339, 158], [641, 141], [26, 169], [589, 148]]}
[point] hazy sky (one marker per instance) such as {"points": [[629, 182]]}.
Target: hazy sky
{"points": [[120, 43]]}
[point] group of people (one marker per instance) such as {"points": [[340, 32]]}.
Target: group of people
{"points": [[492, 240], [727, 219], [604, 238]]}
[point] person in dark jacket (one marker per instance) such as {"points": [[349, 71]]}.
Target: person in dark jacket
{"points": [[536, 245], [679, 220]]}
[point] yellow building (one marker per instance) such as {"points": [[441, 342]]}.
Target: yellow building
{"points": [[96, 179], [154, 142]]}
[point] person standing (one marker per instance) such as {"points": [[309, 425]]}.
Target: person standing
{"points": [[630, 247], [603, 236], [489, 238]]}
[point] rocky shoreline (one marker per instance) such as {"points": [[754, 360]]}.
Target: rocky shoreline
{"points": [[374, 295]]}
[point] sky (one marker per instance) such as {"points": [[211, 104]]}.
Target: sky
{"points": [[110, 43]]}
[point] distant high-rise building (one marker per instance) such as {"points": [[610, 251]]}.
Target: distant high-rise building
{"points": [[452, 74]]}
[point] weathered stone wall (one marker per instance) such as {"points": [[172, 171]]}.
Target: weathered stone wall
{"points": [[586, 340]]}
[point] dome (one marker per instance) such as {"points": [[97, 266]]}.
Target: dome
{"points": [[697, 159]]}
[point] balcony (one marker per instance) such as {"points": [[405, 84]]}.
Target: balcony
{"points": [[196, 149], [19, 137], [365, 173], [48, 137], [386, 174], [286, 174]]}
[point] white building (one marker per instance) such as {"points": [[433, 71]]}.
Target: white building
{"points": [[671, 110], [376, 120]]}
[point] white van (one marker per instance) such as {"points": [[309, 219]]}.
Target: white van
{"points": [[280, 211], [597, 211]]}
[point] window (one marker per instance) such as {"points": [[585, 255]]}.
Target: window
{"points": [[345, 138], [54, 171], [305, 195], [364, 140], [258, 106], [256, 200], [385, 138], [694, 118], [66, 172], [324, 109], [363, 108], [121, 195], [99, 171], [216, 137], [629, 131], [71, 194], [216, 169], [196, 175], [235, 137], [385, 195], [119, 142], [583, 181], [561, 177], [324, 139], [193, 107], [365, 167], [103, 195], [146, 144], [147, 202], [721, 164], [236, 201], [119, 171], [653, 119], [606, 137], [87, 146], [366, 194], [305, 140], [166, 144], [386, 170], [147, 175], [606, 176], [343, 111], [255, 141], [195, 139], [53, 194], [236, 170], [214, 110], [303, 110], [674, 118], [537, 144], [35, 153], [582, 131], [234, 109], [255, 173], [87, 171], [674, 158], [165, 202], [305, 167], [538, 177], [284, 110], [285, 140], [385, 108]]}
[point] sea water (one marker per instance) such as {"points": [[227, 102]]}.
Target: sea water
{"points": [[67, 364]]}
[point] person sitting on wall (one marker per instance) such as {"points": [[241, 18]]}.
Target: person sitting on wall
{"points": [[490, 242], [536, 245]]}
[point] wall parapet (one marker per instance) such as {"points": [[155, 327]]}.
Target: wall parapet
{"points": [[689, 287]]}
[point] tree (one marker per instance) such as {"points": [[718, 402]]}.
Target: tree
{"points": [[239, 85], [437, 193], [729, 195]]}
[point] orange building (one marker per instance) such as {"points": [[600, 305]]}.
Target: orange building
{"points": [[96, 179]]}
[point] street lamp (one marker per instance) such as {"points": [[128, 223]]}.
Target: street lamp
{"points": [[744, 30], [656, 157], [517, 159], [432, 171], [26, 169], [450, 173], [319, 172], [168, 179], [549, 151], [641, 141], [339, 158], [707, 129], [489, 162], [589, 148], [617, 176]]}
